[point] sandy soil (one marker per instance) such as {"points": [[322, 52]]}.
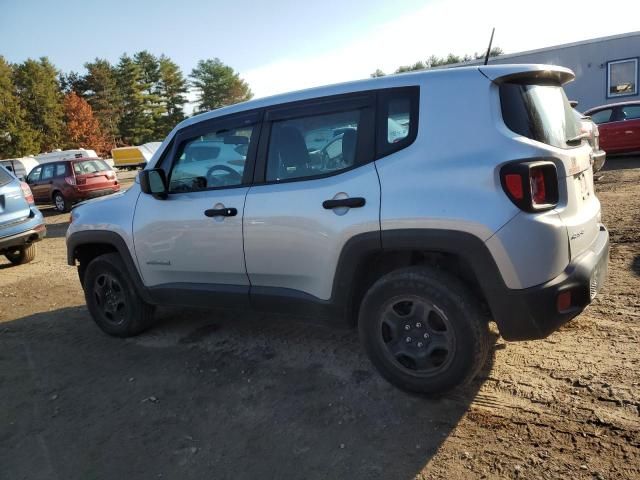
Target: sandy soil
{"points": [[223, 394]]}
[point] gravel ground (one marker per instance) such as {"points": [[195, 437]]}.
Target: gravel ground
{"points": [[224, 394]]}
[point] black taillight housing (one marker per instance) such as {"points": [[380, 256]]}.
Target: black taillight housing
{"points": [[531, 185]]}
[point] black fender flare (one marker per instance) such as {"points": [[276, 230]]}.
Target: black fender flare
{"points": [[468, 247], [107, 237]]}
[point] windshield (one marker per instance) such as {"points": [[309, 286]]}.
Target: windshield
{"points": [[539, 112]]}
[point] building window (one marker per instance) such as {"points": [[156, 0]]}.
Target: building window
{"points": [[622, 78]]}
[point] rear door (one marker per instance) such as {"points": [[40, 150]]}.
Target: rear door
{"points": [[316, 187], [13, 206]]}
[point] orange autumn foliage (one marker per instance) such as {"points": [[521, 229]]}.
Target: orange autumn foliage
{"points": [[82, 128]]}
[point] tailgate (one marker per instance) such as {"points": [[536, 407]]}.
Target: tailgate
{"points": [[581, 212]]}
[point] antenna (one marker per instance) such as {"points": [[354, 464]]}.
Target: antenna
{"points": [[486, 58]]}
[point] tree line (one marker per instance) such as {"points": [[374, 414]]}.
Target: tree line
{"points": [[435, 61], [137, 100]]}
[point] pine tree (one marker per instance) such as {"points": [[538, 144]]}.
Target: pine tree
{"points": [[135, 126], [154, 106], [17, 139], [172, 90], [218, 85], [40, 96], [99, 87], [82, 128]]}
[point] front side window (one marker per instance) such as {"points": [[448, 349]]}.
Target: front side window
{"points": [[214, 159], [622, 78], [312, 145], [630, 112], [34, 175], [539, 112], [602, 116], [48, 171]]}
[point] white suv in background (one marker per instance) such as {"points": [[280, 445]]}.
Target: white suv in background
{"points": [[419, 207]]}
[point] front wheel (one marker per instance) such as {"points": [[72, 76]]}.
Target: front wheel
{"points": [[423, 330], [111, 298]]}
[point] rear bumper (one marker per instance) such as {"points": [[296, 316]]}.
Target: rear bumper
{"points": [[532, 313], [33, 230], [597, 160]]}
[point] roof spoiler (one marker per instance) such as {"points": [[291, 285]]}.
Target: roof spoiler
{"points": [[532, 73]]}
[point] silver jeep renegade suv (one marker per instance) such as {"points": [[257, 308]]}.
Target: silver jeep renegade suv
{"points": [[419, 207]]}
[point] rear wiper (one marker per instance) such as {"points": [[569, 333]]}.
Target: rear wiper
{"points": [[577, 140]]}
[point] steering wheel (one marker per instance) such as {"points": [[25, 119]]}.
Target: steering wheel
{"points": [[218, 183]]}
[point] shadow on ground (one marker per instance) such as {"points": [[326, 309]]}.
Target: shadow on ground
{"points": [[635, 265], [215, 394], [621, 162]]}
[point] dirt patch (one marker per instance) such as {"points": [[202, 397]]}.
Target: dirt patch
{"points": [[223, 394]]}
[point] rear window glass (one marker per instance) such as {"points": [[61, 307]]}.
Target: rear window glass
{"points": [[539, 112], [4, 177], [90, 166]]}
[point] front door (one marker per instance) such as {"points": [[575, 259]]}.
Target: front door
{"points": [[194, 237], [319, 189], [37, 188]]}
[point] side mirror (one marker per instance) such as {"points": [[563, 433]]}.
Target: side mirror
{"points": [[154, 182]]}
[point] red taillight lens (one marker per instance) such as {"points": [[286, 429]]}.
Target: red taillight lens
{"points": [[538, 191], [531, 186], [26, 191], [513, 182], [70, 181]]}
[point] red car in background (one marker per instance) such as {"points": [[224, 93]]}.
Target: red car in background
{"points": [[619, 125], [66, 182]]}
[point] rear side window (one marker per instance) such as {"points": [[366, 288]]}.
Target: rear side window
{"points": [[539, 112], [4, 177], [397, 119], [90, 166], [312, 145], [61, 169], [603, 116]]}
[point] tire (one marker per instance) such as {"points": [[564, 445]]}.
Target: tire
{"points": [[60, 203], [423, 330], [22, 255], [112, 300]]}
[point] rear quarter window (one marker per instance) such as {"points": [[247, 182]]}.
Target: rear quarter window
{"points": [[5, 177], [539, 112]]}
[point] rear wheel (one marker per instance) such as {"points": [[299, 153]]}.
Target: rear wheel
{"points": [[112, 300], [60, 203], [423, 330], [22, 255]]}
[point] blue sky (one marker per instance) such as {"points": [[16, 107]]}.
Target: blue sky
{"points": [[283, 45]]}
